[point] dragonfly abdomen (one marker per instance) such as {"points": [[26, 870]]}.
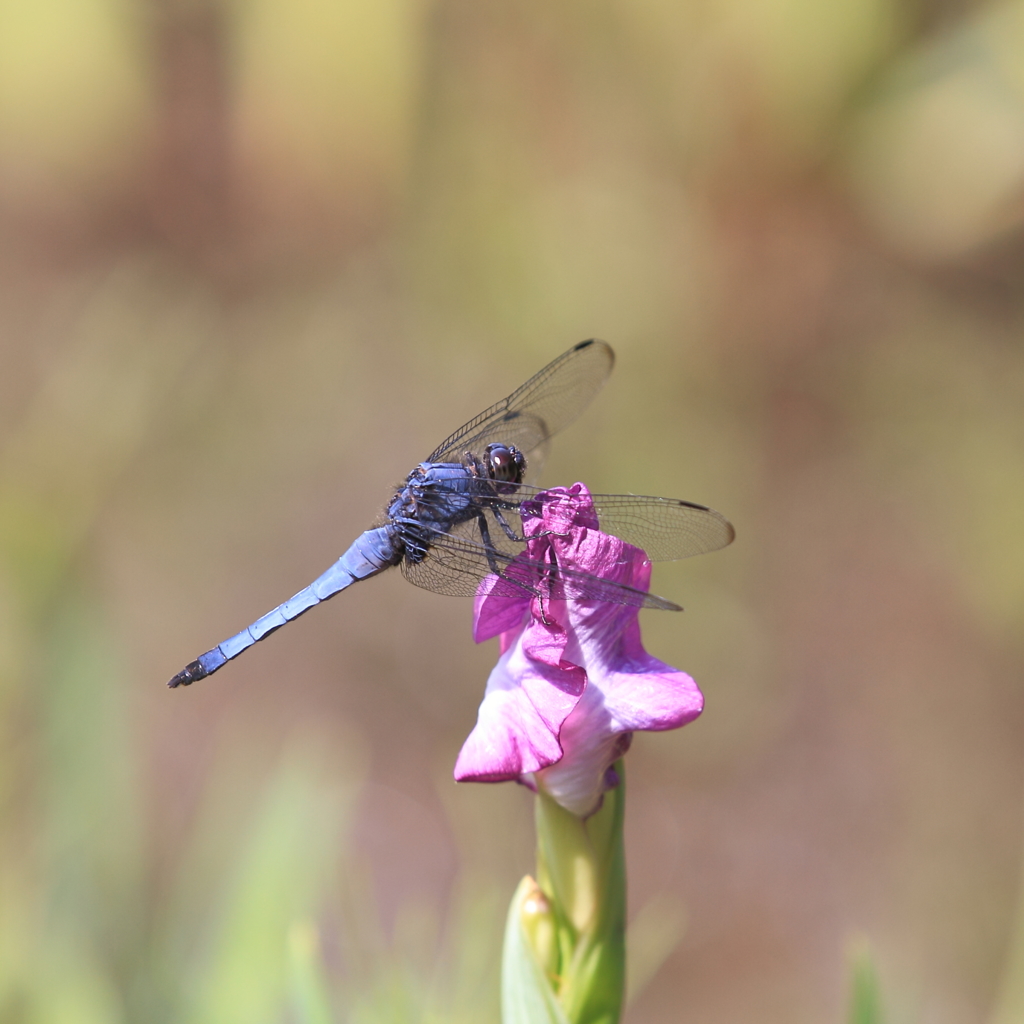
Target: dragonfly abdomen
{"points": [[372, 552]]}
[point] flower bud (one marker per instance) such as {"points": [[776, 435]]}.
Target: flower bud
{"points": [[538, 921]]}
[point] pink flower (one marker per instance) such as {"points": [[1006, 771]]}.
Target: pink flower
{"points": [[573, 681]]}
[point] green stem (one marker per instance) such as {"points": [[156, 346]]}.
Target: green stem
{"points": [[581, 868]]}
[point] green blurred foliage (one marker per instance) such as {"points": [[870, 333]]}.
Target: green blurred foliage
{"points": [[865, 998], [258, 257]]}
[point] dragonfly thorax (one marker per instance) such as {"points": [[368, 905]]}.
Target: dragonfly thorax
{"points": [[434, 498]]}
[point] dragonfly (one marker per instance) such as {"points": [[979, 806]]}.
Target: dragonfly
{"points": [[459, 517]]}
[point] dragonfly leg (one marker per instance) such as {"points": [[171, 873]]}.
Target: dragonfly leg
{"points": [[503, 523], [512, 535], [510, 532], [492, 560], [485, 536]]}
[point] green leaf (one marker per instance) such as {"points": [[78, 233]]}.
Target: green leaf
{"points": [[283, 873], [309, 993], [865, 994], [527, 996]]}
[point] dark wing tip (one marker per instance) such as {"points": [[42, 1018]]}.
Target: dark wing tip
{"points": [[596, 341], [730, 529]]}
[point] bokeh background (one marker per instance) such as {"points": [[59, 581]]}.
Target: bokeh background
{"points": [[257, 257]]}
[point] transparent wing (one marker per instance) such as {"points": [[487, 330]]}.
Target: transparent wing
{"points": [[548, 401], [458, 561], [666, 528]]}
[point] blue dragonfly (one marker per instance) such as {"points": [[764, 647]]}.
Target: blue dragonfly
{"points": [[459, 516]]}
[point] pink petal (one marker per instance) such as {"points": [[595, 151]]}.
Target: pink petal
{"points": [[496, 613], [650, 696], [642, 693], [591, 744], [519, 720]]}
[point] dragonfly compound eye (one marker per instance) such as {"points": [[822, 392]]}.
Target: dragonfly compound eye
{"points": [[505, 463]]}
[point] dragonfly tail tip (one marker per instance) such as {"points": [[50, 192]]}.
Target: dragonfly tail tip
{"points": [[188, 675]]}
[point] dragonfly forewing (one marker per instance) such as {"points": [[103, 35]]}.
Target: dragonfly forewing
{"points": [[547, 402]]}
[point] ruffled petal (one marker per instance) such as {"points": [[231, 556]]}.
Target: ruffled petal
{"points": [[592, 744], [644, 694], [520, 718]]}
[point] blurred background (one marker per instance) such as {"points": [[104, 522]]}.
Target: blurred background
{"points": [[258, 257]]}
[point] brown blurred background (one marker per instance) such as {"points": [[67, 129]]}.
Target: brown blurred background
{"points": [[258, 257]]}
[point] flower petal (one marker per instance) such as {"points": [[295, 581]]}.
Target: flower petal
{"points": [[643, 693], [495, 613], [520, 719], [591, 744]]}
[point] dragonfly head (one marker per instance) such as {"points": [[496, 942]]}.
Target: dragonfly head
{"points": [[504, 463]]}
